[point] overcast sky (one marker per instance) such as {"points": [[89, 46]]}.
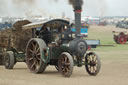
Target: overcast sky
{"points": [[52, 8]]}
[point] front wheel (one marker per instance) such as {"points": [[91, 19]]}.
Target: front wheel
{"points": [[92, 63], [9, 60], [65, 64]]}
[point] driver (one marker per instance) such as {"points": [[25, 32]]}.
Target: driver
{"points": [[66, 33]]}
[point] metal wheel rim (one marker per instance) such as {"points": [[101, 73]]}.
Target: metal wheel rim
{"points": [[7, 60], [57, 68], [92, 63], [64, 64], [33, 56]]}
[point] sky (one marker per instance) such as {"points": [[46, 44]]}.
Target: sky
{"points": [[20, 8]]}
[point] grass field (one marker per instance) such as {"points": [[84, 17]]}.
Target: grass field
{"points": [[105, 35], [117, 52], [114, 70]]}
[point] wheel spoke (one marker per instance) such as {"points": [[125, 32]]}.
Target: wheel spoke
{"points": [[95, 67], [89, 67], [33, 65], [37, 65], [95, 60], [63, 69], [37, 50], [65, 59], [30, 59], [33, 44], [38, 54], [94, 70], [31, 51], [38, 58], [88, 58], [62, 61], [66, 70], [67, 64], [93, 57], [35, 47]]}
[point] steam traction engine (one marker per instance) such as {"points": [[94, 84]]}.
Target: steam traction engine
{"points": [[55, 44], [120, 37]]}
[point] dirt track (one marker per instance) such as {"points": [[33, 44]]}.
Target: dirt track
{"points": [[111, 74], [114, 71]]}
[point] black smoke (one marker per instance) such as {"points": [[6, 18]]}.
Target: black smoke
{"points": [[77, 4]]}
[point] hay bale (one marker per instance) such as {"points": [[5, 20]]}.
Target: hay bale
{"points": [[17, 37], [20, 37], [4, 34]]}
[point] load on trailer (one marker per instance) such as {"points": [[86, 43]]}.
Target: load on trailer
{"points": [[13, 42]]}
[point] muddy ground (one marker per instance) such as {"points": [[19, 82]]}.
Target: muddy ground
{"points": [[114, 69]]}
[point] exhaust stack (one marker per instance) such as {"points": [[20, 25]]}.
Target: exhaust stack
{"points": [[78, 20], [77, 5]]}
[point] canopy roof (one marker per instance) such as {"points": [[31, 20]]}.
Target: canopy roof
{"points": [[55, 23]]}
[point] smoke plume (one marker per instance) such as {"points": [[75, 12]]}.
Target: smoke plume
{"points": [[77, 4]]}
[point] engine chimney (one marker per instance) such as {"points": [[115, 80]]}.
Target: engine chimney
{"points": [[78, 20]]}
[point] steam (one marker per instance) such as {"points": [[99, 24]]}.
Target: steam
{"points": [[21, 8], [2, 4], [96, 8], [77, 4], [102, 7], [30, 2]]}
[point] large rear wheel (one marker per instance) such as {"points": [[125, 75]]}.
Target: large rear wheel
{"points": [[34, 52], [65, 64]]}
